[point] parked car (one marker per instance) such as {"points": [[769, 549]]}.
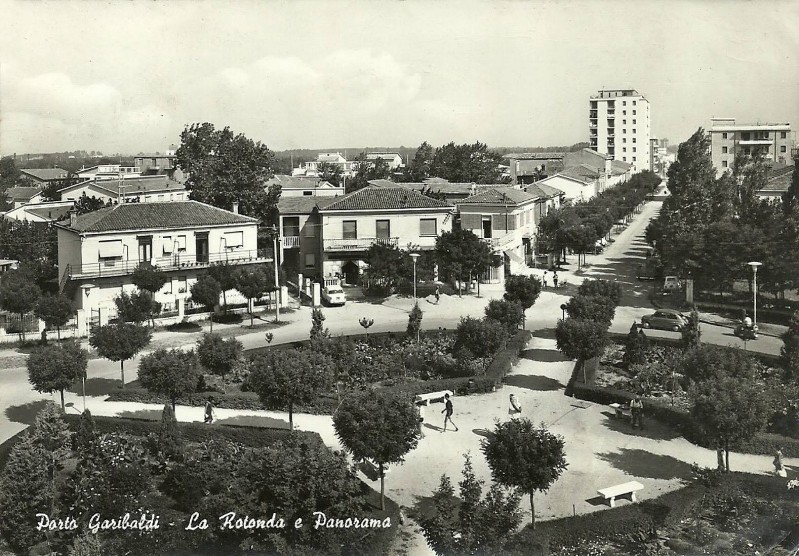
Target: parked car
{"points": [[333, 295], [671, 283], [665, 319], [651, 269]]}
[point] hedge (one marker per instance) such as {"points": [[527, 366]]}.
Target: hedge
{"points": [[8, 445], [256, 437]]}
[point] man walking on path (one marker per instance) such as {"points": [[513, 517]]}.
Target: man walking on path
{"points": [[555, 279], [448, 413], [636, 409], [209, 411]]}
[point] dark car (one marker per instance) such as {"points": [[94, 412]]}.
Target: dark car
{"points": [[665, 319]]}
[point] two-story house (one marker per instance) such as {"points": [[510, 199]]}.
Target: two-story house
{"points": [[504, 217], [395, 216], [142, 189], [295, 186], [42, 177], [99, 250], [160, 164], [107, 172], [300, 232]]}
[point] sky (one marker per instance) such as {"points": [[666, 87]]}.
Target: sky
{"points": [[127, 77]]}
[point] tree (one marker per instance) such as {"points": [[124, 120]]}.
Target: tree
{"points": [[318, 332], [18, 295], [466, 163], [56, 368], [419, 168], [415, 322], [224, 168], [691, 334], [482, 338], [330, 173], [253, 282], [636, 346], [119, 342], [595, 308], [581, 339], [462, 255], [729, 409], [35, 247], [603, 288], [481, 526], [225, 275], [285, 378], [206, 291], [387, 264], [137, 307], [523, 290], [9, 173], [85, 204], [219, 355], [168, 442], [149, 278], [379, 426], [524, 456], [173, 373], [55, 311], [366, 170], [508, 313], [789, 353]]}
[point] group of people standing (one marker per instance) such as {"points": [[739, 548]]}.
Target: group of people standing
{"points": [[554, 278]]}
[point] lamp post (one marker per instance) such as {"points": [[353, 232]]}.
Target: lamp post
{"points": [[563, 311], [414, 256], [754, 266], [275, 234]]}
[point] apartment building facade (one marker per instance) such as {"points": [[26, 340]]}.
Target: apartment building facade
{"points": [[619, 125], [729, 140]]}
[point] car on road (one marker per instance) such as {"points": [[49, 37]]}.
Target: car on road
{"points": [[671, 283], [333, 295], [665, 319]]}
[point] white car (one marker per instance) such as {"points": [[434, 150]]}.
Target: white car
{"points": [[333, 295], [671, 283]]}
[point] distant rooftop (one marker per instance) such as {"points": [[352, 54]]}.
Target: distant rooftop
{"points": [[729, 124], [295, 182], [387, 198], [45, 174], [615, 93], [536, 156]]}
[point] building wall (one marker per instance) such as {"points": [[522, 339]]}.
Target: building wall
{"points": [[69, 250], [312, 192], [620, 126], [725, 144], [573, 190], [92, 190], [295, 248]]}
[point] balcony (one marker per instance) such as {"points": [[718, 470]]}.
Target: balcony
{"points": [[358, 244], [179, 261], [290, 242], [592, 114], [611, 115], [755, 142]]}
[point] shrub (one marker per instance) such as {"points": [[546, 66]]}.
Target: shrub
{"points": [[509, 314], [504, 360], [603, 288], [595, 308], [460, 386], [483, 338]]}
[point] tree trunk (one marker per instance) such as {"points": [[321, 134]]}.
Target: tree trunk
{"points": [[22, 326], [58, 331], [211, 318], [63, 407], [532, 511], [251, 319], [291, 416], [174, 401], [224, 299], [727, 455], [382, 488], [122, 372]]}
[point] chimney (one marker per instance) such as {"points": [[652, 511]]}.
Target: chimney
{"points": [[73, 217], [236, 208]]}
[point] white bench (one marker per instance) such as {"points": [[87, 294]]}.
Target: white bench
{"points": [[620, 490], [425, 399]]}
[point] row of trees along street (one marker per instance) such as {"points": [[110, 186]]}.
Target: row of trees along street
{"points": [[710, 227]]}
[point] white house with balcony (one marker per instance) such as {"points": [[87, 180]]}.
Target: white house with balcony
{"points": [[504, 217], [98, 251], [298, 186], [397, 216], [142, 189], [300, 231], [107, 172]]}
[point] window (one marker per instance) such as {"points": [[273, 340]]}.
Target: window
{"points": [[624, 103], [634, 103], [635, 139], [633, 122], [624, 158], [723, 163], [783, 135], [633, 149], [307, 193], [291, 226], [383, 229], [182, 288], [234, 240], [110, 249], [167, 244], [783, 149], [350, 229], [624, 140], [633, 111], [160, 198], [310, 260], [624, 122], [724, 135], [145, 248], [624, 131], [624, 149], [167, 289], [724, 150], [181, 244], [623, 112], [634, 159], [634, 130], [427, 227]]}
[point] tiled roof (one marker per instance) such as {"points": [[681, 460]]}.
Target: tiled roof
{"points": [[388, 183], [45, 173], [302, 205], [779, 181], [131, 185], [22, 193], [619, 167], [535, 156], [505, 196], [581, 172], [542, 190], [293, 182], [145, 216], [385, 198]]}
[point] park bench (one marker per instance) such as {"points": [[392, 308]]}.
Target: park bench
{"points": [[621, 411], [620, 490], [425, 399]]}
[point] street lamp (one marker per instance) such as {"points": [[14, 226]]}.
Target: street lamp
{"points": [[275, 234], [414, 256], [563, 311], [754, 266]]}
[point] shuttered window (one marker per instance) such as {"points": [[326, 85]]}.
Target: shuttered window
{"points": [[110, 249], [471, 221]]}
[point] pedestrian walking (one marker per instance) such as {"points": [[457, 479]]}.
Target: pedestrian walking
{"points": [[515, 406], [420, 408], [555, 279], [438, 294], [448, 413], [779, 469], [637, 410], [209, 411], [545, 278]]}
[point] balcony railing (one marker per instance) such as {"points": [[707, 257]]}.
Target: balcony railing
{"points": [[178, 261], [290, 242], [755, 142], [359, 244], [499, 243]]}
